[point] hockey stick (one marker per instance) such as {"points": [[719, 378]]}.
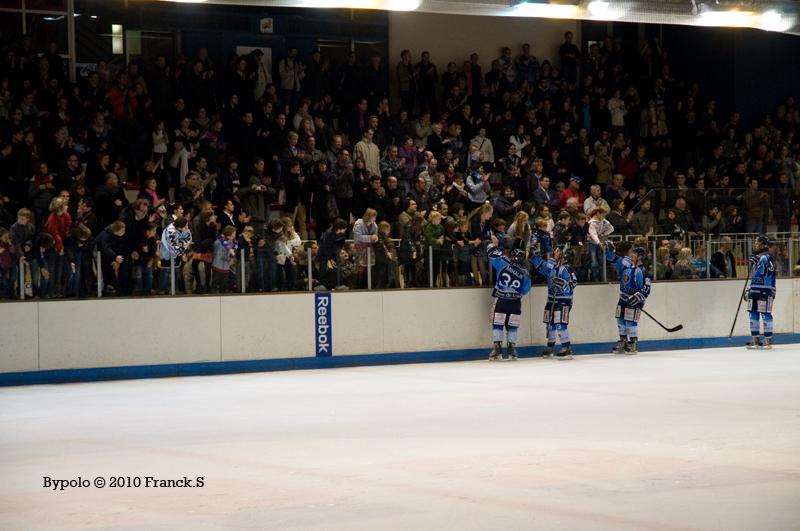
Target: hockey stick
{"points": [[670, 330], [741, 298]]}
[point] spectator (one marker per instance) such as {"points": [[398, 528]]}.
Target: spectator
{"points": [[644, 222], [619, 219], [478, 187], [544, 196], [365, 235], [594, 201], [723, 261], [368, 151], [683, 266], [573, 191], [599, 230]]}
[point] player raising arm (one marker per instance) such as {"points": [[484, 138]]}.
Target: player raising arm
{"points": [[760, 293], [634, 288], [561, 282], [513, 283]]}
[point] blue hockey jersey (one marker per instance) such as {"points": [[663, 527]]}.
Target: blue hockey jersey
{"points": [[561, 280], [513, 280], [634, 284], [762, 275]]}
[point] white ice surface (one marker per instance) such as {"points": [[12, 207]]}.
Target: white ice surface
{"points": [[684, 440]]}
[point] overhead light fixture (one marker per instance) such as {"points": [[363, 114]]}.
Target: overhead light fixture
{"points": [[389, 5], [186, 1], [536, 9], [117, 35], [602, 10], [734, 19], [774, 21]]}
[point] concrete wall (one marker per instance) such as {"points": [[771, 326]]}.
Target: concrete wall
{"points": [[123, 332], [455, 37]]}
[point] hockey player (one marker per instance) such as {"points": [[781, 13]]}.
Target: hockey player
{"points": [[513, 283], [561, 282], [760, 293], [634, 288]]}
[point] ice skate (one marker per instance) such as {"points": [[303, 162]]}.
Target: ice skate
{"points": [[755, 343], [632, 347], [767, 343], [497, 353], [548, 352], [564, 354], [512, 353], [619, 348]]}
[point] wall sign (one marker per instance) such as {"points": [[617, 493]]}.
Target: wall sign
{"points": [[322, 324]]}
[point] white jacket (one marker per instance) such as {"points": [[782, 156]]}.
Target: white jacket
{"points": [[599, 230]]}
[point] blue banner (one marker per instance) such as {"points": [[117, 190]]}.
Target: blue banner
{"points": [[322, 324]]}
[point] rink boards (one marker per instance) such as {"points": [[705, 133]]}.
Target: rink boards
{"points": [[62, 340]]}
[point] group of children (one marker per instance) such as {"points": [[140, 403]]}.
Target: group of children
{"points": [[137, 255]]}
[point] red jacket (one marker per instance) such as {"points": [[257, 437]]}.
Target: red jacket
{"points": [[58, 227], [569, 193]]}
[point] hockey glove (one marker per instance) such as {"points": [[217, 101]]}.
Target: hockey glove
{"points": [[611, 247]]}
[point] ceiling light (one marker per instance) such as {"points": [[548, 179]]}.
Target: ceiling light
{"points": [[532, 9], [774, 21], [738, 19], [601, 10]]}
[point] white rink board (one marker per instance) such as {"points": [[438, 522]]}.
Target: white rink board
{"points": [[119, 332], [127, 332], [19, 337], [256, 327]]}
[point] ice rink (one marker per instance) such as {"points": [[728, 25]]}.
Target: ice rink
{"points": [[683, 440]]}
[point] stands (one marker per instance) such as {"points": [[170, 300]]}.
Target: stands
{"points": [[94, 173]]}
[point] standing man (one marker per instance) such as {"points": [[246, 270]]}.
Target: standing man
{"points": [[634, 288], [761, 293], [292, 73]]}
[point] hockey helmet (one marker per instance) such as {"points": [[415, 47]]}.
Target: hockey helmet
{"points": [[639, 251], [566, 252], [763, 240], [517, 256]]}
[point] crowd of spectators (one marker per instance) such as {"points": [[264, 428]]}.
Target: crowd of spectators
{"points": [[224, 171]]}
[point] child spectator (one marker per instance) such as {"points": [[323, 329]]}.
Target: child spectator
{"points": [[518, 235], [284, 272], [175, 240], [433, 236], [683, 266], [410, 254], [365, 234], [41, 256], [8, 260], [144, 262], [22, 231], [225, 248], [663, 266], [330, 244], [385, 259], [479, 237], [58, 225], [246, 243], [599, 231], [204, 251], [112, 249], [78, 249]]}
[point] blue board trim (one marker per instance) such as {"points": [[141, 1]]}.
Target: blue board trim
{"points": [[287, 364]]}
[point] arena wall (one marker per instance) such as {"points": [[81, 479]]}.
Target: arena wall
{"points": [[389, 325]]}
